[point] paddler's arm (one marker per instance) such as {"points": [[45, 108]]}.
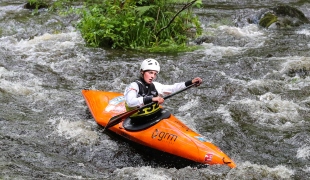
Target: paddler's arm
{"points": [[168, 89], [131, 93]]}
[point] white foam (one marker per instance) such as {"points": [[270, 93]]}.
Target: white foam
{"points": [[251, 31], [9, 9], [222, 109], [303, 152], [17, 86], [46, 44], [69, 176], [247, 170], [45, 50], [77, 131], [143, 173], [304, 31], [295, 62], [270, 110], [189, 105], [251, 36], [218, 52]]}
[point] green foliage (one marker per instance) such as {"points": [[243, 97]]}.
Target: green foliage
{"points": [[134, 24], [36, 5], [158, 25], [61, 5]]}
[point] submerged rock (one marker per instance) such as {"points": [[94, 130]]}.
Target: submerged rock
{"points": [[268, 19], [279, 17], [203, 39], [282, 17]]}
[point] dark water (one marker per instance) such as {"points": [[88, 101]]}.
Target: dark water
{"points": [[254, 103]]}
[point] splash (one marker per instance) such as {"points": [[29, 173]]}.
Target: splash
{"points": [[191, 104], [78, 131], [13, 82], [303, 152], [268, 110], [248, 170], [304, 31], [240, 39], [145, 173]]}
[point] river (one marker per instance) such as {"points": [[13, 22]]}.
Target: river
{"points": [[254, 102]]}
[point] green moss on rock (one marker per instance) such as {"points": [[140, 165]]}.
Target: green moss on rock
{"points": [[267, 20]]}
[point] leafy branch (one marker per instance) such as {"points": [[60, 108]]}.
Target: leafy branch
{"points": [[184, 7]]}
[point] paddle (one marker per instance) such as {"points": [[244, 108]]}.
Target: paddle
{"points": [[119, 118]]}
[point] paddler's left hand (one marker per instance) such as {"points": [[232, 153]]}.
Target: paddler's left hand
{"points": [[197, 81]]}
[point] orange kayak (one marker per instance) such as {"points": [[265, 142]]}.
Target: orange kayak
{"points": [[165, 132]]}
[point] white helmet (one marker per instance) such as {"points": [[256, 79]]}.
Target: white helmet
{"points": [[150, 64]]}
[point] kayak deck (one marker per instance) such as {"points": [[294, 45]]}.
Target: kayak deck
{"points": [[138, 125]]}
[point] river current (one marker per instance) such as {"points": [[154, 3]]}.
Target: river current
{"points": [[254, 102]]}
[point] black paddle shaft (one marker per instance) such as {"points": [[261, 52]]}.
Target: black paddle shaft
{"points": [[119, 118]]}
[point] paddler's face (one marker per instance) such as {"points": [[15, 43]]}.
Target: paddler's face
{"points": [[149, 76]]}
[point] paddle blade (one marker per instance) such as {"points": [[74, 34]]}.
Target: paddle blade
{"points": [[119, 118]]}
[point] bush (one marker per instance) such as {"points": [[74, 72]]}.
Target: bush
{"points": [[152, 25], [137, 24]]}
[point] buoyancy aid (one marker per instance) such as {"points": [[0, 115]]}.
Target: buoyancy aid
{"points": [[149, 91]]}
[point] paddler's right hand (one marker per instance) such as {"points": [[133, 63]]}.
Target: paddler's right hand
{"points": [[197, 81], [158, 99]]}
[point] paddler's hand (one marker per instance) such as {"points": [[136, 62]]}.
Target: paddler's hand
{"points": [[158, 99], [197, 81]]}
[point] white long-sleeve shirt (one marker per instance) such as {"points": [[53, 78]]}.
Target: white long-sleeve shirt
{"points": [[131, 92]]}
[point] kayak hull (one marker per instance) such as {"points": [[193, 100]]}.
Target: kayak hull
{"points": [[168, 135]]}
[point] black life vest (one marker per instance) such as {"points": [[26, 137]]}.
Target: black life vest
{"points": [[145, 90]]}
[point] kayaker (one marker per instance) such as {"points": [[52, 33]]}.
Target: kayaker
{"points": [[144, 90]]}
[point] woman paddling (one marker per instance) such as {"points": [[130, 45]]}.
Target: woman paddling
{"points": [[145, 91]]}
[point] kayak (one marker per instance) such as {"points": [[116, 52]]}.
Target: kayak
{"points": [[163, 132]]}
